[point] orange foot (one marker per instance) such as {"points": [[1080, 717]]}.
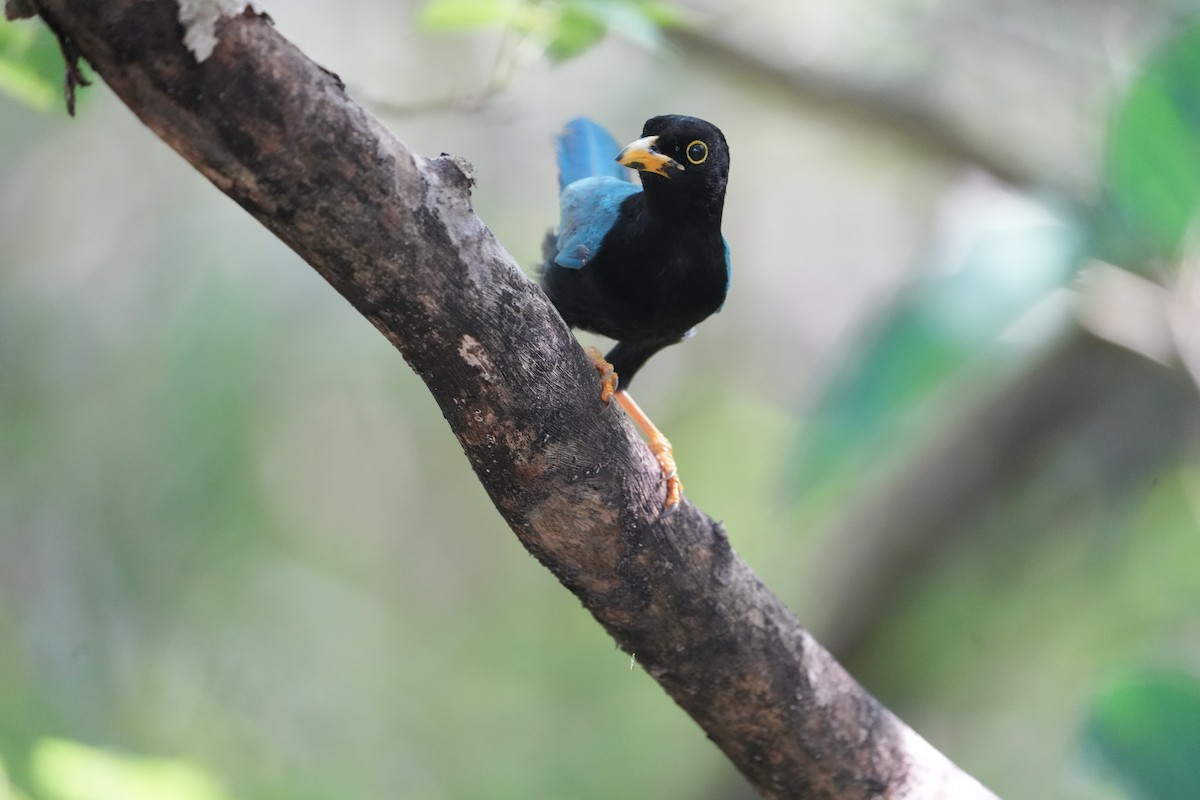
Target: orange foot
{"points": [[608, 378], [660, 446]]}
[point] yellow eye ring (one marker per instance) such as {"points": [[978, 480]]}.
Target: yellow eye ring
{"points": [[697, 152]]}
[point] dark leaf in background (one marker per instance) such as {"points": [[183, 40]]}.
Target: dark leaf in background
{"points": [[1145, 732], [929, 334], [1153, 170]]}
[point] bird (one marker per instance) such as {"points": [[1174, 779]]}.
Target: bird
{"points": [[642, 265]]}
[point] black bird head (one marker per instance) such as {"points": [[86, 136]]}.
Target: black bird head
{"points": [[684, 161]]}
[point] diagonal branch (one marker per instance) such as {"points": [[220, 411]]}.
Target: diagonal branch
{"points": [[394, 233]]}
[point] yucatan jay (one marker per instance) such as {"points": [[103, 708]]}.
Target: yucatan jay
{"points": [[642, 265]]}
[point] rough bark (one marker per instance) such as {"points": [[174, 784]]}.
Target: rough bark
{"points": [[394, 233]]}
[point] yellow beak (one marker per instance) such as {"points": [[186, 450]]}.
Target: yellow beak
{"points": [[641, 155]]}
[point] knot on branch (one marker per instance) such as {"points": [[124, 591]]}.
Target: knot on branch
{"points": [[455, 170]]}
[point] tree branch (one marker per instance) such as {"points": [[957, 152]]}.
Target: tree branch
{"points": [[394, 233]]}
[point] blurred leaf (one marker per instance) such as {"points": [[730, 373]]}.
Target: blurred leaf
{"points": [[575, 30], [640, 22], [930, 334], [664, 15], [565, 28], [1154, 152], [7, 790], [1145, 731], [66, 770], [31, 67], [458, 15]]}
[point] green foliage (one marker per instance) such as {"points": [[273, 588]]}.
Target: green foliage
{"points": [[7, 790], [929, 335], [67, 770], [562, 28], [1145, 731], [31, 67], [1051, 580], [1153, 170]]}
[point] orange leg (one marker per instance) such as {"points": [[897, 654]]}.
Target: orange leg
{"points": [[608, 378], [660, 446]]}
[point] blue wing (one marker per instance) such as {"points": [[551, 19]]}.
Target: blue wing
{"points": [[589, 208], [585, 150], [592, 186]]}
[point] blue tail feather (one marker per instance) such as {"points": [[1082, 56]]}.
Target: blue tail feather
{"points": [[586, 150]]}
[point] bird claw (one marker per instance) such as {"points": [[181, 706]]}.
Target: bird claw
{"points": [[660, 446], [608, 376], [668, 511]]}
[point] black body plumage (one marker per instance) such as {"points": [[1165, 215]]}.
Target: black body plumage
{"points": [[641, 267]]}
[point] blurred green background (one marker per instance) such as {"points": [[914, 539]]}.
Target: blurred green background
{"points": [[948, 412]]}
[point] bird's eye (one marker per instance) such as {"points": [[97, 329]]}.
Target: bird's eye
{"points": [[697, 152]]}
